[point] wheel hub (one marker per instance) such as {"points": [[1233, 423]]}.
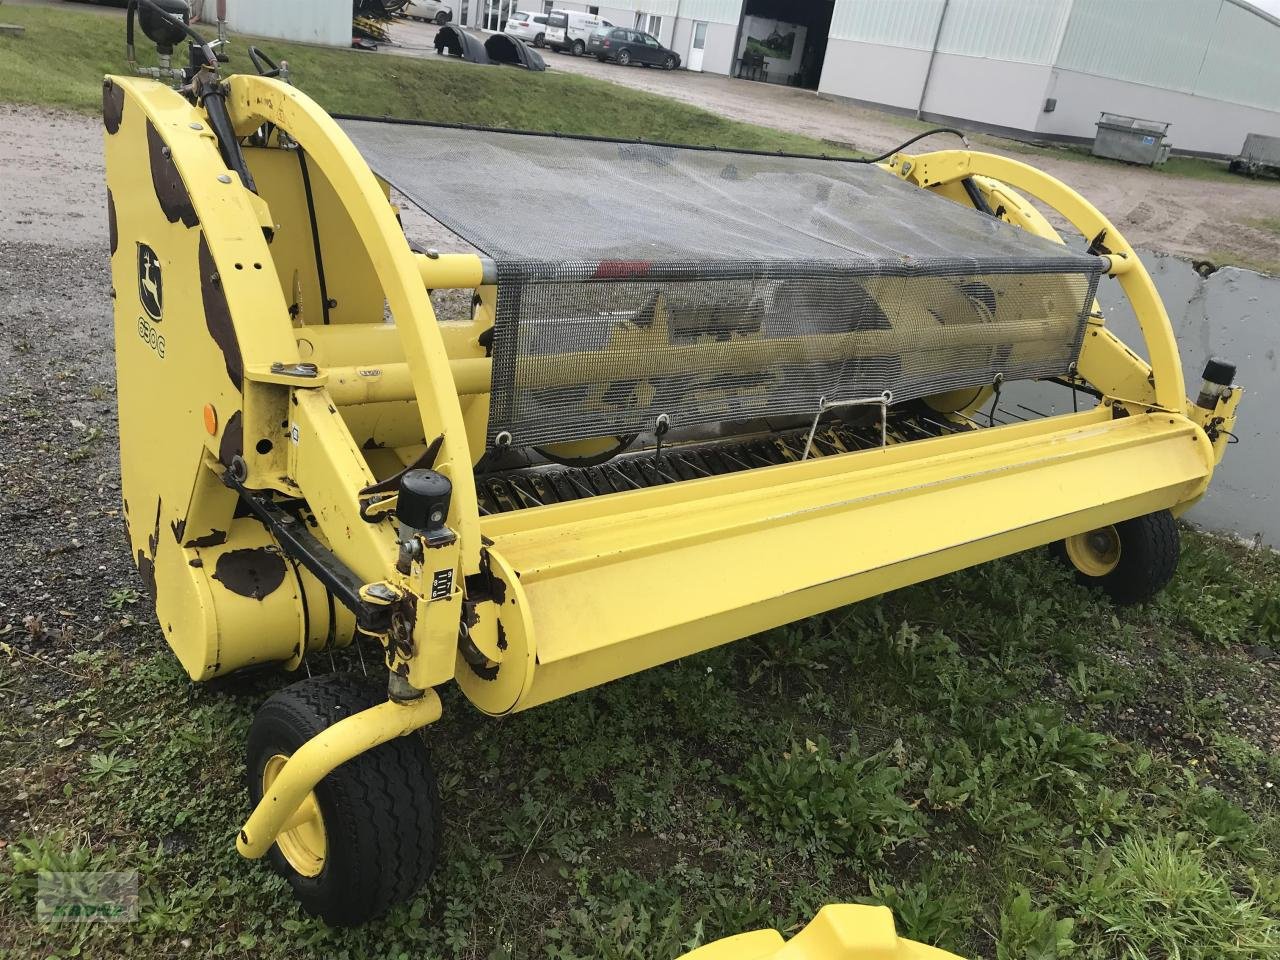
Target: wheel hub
{"points": [[302, 840], [1095, 553]]}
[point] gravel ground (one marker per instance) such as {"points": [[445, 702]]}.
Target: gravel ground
{"points": [[1162, 212], [62, 545]]}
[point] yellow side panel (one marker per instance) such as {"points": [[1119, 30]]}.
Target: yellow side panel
{"points": [[659, 577], [185, 245], [278, 174]]}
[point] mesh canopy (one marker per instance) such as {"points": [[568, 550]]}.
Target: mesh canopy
{"points": [[638, 280]]}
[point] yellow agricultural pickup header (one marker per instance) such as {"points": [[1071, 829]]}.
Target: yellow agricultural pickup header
{"points": [[700, 394]]}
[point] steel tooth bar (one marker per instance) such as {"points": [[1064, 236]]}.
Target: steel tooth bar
{"points": [[541, 485]]}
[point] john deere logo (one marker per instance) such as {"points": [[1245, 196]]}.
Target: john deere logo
{"points": [[150, 290]]}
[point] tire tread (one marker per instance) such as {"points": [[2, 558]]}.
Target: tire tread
{"points": [[386, 835], [1149, 549]]}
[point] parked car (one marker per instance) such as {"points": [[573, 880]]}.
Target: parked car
{"points": [[570, 30], [440, 13], [631, 46], [529, 27]]}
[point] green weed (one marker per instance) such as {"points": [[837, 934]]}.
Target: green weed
{"points": [[1157, 896], [824, 801], [1031, 933], [123, 597], [109, 767]]}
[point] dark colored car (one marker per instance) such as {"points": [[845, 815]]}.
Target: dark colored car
{"points": [[631, 46]]}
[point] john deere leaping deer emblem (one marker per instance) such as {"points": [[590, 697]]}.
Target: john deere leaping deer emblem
{"points": [[150, 289]]}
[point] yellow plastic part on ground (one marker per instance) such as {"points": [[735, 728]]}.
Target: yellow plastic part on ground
{"points": [[840, 931]]}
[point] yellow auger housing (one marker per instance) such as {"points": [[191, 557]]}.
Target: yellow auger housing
{"points": [[627, 450]]}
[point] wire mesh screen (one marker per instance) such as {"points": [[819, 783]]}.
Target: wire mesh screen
{"points": [[640, 280]]}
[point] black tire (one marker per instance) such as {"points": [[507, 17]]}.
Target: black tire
{"points": [[381, 810], [1149, 550], [442, 18], [669, 63], [624, 58], [579, 48], [540, 40]]}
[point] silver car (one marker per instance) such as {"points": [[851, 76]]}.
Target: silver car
{"points": [[431, 10]]}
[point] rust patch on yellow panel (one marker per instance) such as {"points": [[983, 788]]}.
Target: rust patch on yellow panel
{"points": [[217, 316], [252, 572], [175, 201]]}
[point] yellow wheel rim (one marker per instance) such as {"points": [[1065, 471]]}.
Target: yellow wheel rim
{"points": [[1096, 553], [302, 840]]}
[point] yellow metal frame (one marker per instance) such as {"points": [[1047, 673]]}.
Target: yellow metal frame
{"points": [[302, 838], [839, 931], [559, 598]]}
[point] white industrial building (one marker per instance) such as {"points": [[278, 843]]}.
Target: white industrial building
{"points": [[1042, 68], [1038, 68]]}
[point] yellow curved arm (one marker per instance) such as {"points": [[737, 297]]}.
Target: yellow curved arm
{"points": [[949, 166], [257, 100], [323, 754]]}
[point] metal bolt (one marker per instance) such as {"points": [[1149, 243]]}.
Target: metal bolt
{"points": [[224, 178], [196, 126], [433, 253]]}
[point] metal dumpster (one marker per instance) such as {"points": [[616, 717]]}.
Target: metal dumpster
{"points": [[1131, 139]]}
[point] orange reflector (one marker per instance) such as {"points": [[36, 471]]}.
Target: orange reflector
{"points": [[210, 419]]}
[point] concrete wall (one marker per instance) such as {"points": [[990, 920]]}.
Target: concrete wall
{"points": [[1199, 124], [1011, 94], [1234, 314], [311, 21], [874, 73]]}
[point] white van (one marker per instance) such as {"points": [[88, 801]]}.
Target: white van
{"points": [[569, 30]]}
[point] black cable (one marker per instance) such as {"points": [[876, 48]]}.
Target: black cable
{"points": [[483, 128], [265, 66], [918, 136], [315, 234]]}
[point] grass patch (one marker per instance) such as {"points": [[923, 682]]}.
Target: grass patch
{"points": [[1199, 168], [1016, 767], [62, 58], [1232, 258], [1193, 168], [1267, 224], [1153, 895]]}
